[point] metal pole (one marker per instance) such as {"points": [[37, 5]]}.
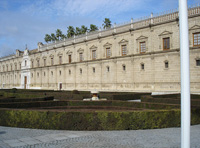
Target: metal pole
{"points": [[185, 75]]}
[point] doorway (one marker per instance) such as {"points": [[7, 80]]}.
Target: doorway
{"points": [[60, 86], [25, 81]]}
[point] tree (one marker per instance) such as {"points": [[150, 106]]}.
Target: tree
{"points": [[106, 23], [47, 38], [53, 37], [78, 31], [58, 34], [93, 27], [83, 29], [63, 37], [70, 31]]}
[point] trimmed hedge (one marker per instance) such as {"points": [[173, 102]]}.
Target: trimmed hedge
{"points": [[194, 102], [40, 104], [99, 120], [13, 99]]}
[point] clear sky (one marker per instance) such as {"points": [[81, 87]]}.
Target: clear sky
{"points": [[27, 21]]}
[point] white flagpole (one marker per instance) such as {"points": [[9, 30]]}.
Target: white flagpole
{"points": [[185, 74]]}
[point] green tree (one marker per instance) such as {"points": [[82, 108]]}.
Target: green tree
{"points": [[63, 37], [106, 23], [58, 34], [93, 27], [47, 38], [70, 31], [83, 29], [53, 37], [78, 31]]}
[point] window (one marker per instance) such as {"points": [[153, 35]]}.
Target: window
{"points": [[142, 66], [81, 57], [196, 39], [166, 43], [32, 74], [198, 62], [81, 71], [94, 55], [15, 66], [166, 64], [32, 64], [7, 67], [3, 68], [108, 52], [70, 58], [38, 63], [45, 63], [11, 67], [52, 73], [60, 72], [69, 72], [38, 74], [52, 61], [25, 63], [124, 50], [124, 67], [93, 69], [44, 73], [142, 47], [60, 59], [108, 69], [20, 65]]}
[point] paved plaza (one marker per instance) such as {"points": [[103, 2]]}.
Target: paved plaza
{"points": [[34, 138]]}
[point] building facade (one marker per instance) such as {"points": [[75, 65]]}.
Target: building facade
{"points": [[140, 56]]}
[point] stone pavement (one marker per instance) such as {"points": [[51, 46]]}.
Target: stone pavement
{"points": [[33, 138]]}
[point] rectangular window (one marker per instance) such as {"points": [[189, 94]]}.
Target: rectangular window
{"points": [[70, 58], [142, 47], [44, 62], [15, 66], [51, 61], [166, 43], [60, 59], [108, 52], [38, 63], [32, 64], [124, 50], [196, 39], [81, 57], [197, 62], [94, 55], [11, 67]]}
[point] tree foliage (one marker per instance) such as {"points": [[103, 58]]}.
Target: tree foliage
{"points": [[106, 23], [71, 31], [93, 27]]}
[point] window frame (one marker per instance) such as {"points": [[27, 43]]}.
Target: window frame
{"points": [[198, 39], [94, 54], [108, 52], [124, 50], [141, 43], [167, 39]]}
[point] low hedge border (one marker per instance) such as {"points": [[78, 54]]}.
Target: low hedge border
{"points": [[39, 104], [99, 120]]}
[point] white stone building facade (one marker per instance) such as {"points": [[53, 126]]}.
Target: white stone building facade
{"points": [[140, 56]]}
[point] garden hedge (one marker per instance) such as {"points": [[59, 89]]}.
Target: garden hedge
{"points": [[40, 104], [98, 120]]}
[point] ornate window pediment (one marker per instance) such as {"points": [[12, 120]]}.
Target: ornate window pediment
{"points": [[80, 50], [59, 54], [51, 56], [165, 33], [69, 52], [107, 45], [123, 41], [195, 27], [141, 37], [93, 47]]}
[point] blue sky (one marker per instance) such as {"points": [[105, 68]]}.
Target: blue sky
{"points": [[27, 21]]}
